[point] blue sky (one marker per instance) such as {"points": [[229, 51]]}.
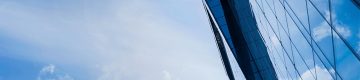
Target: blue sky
{"points": [[107, 40]]}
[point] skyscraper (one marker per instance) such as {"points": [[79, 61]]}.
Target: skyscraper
{"points": [[235, 28]]}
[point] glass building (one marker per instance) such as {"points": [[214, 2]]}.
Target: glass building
{"points": [[287, 39], [235, 28]]}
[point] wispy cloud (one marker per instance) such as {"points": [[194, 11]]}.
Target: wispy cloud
{"points": [[324, 30], [50, 72], [322, 74]]}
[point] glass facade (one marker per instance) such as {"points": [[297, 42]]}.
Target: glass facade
{"points": [[235, 21], [357, 3], [311, 39], [304, 39]]}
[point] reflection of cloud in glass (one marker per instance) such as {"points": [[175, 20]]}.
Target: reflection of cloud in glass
{"points": [[324, 30], [322, 74]]}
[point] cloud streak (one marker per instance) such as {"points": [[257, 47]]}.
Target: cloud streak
{"points": [[50, 72]]}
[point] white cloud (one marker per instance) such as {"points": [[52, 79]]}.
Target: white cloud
{"points": [[321, 32], [50, 72], [324, 30], [48, 69], [322, 74], [344, 31]]}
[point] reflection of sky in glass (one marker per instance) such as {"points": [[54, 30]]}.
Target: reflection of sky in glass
{"points": [[346, 19]]}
